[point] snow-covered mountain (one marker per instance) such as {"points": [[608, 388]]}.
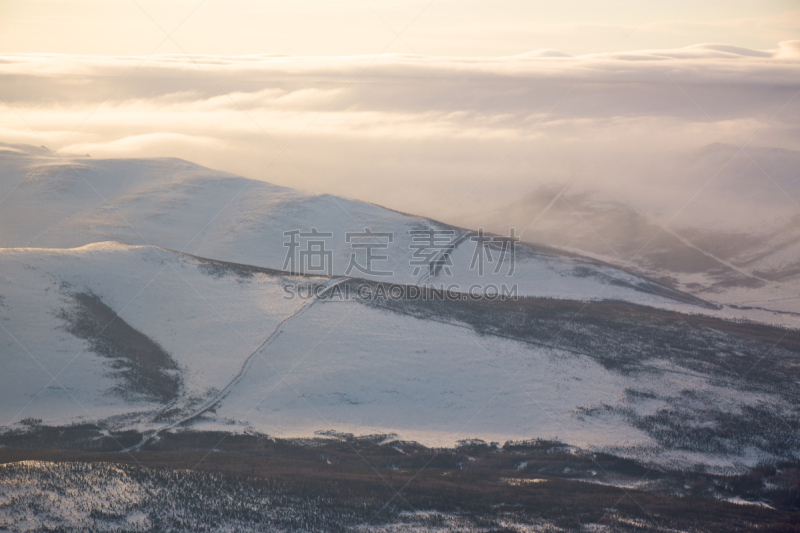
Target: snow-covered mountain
{"points": [[169, 203], [195, 323], [138, 337]]}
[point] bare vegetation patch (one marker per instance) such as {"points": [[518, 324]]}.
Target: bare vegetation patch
{"points": [[145, 370]]}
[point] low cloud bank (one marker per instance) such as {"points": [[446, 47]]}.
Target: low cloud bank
{"points": [[432, 135]]}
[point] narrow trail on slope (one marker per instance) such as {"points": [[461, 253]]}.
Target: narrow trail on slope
{"points": [[433, 269], [246, 364]]}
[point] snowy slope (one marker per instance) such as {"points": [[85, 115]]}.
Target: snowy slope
{"points": [[206, 320], [64, 203], [191, 324], [245, 358]]}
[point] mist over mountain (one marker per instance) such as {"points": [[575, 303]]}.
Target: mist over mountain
{"points": [[430, 135], [734, 237]]}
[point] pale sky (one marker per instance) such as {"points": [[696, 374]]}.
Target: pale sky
{"points": [[347, 27]]}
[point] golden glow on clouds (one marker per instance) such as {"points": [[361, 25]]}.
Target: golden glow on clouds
{"points": [[406, 124], [436, 110]]}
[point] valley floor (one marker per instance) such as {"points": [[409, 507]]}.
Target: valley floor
{"points": [[190, 481]]}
